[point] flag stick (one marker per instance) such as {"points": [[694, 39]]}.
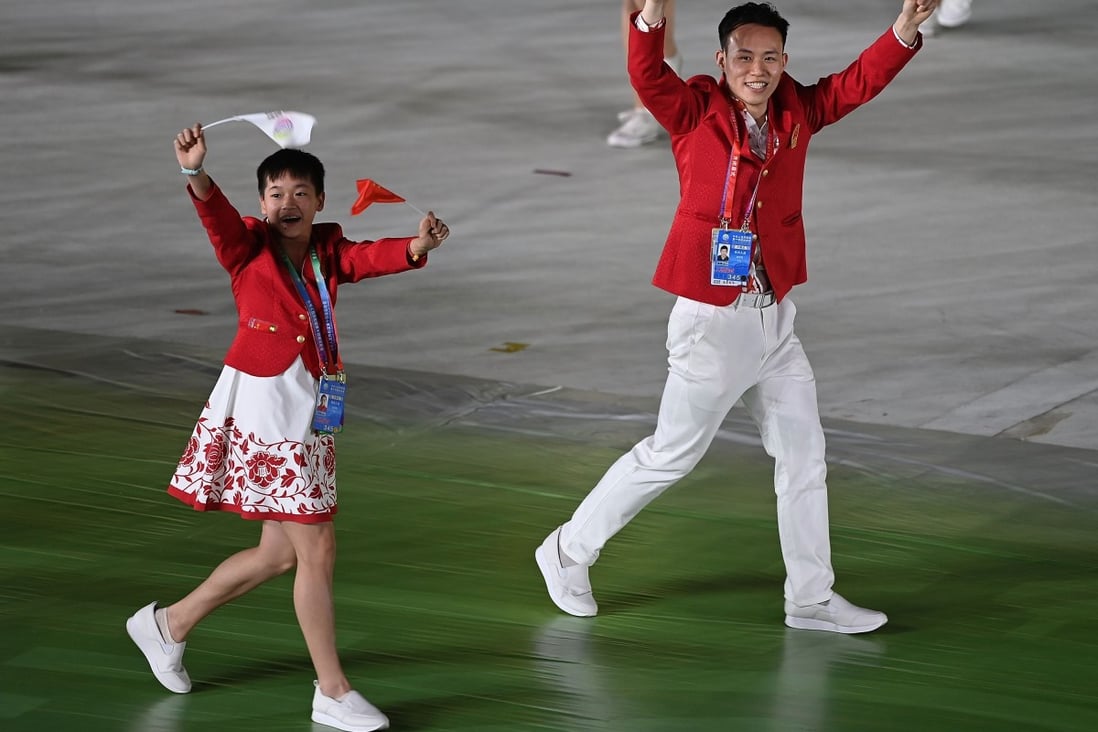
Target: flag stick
{"points": [[416, 209], [219, 122]]}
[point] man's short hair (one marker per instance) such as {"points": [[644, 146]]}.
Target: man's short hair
{"points": [[297, 163], [756, 13]]}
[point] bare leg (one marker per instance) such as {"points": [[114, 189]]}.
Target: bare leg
{"points": [[670, 49], [314, 545], [240, 573]]}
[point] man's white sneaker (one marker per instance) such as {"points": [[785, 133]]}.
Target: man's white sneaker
{"points": [[352, 713], [165, 659], [569, 587], [835, 615], [638, 128]]}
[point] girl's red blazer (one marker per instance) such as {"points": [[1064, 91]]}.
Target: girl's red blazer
{"points": [[273, 327]]}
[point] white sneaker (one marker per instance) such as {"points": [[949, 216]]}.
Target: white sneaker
{"points": [[676, 63], [638, 128], [929, 27], [352, 713], [569, 587], [165, 659], [950, 14], [835, 615], [954, 13]]}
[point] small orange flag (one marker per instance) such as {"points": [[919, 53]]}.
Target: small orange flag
{"points": [[370, 192]]}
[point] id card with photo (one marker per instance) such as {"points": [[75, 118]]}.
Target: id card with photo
{"points": [[328, 414], [730, 257]]}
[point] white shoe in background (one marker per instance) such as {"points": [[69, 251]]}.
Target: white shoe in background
{"points": [[638, 128], [950, 14], [675, 62], [954, 13], [929, 27]]}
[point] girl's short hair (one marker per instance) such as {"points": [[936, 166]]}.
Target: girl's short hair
{"points": [[297, 163]]}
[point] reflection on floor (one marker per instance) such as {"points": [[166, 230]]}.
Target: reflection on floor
{"points": [[982, 551]]}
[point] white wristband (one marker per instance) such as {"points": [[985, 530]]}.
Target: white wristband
{"points": [[190, 171]]}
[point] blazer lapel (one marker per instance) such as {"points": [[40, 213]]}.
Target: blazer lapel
{"points": [[728, 119]]}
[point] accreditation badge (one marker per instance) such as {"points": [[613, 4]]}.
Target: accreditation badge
{"points": [[328, 414], [730, 258]]}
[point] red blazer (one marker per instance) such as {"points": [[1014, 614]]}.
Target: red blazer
{"points": [[697, 115], [273, 328]]}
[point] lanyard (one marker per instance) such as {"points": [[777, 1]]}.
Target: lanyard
{"points": [[730, 178], [323, 345]]}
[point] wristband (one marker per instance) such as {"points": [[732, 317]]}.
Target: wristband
{"points": [[190, 171]]}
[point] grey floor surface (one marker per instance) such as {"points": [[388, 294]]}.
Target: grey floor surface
{"points": [[952, 222]]}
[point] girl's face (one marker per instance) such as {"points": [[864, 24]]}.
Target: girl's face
{"points": [[290, 205]]}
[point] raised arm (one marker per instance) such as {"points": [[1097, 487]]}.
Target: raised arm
{"points": [[833, 97], [675, 104], [233, 244], [357, 260]]}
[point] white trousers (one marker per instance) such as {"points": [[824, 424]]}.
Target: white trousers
{"points": [[717, 355]]}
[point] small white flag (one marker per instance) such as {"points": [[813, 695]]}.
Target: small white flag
{"points": [[288, 129]]}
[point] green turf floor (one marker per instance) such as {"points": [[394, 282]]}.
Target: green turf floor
{"points": [[982, 551]]}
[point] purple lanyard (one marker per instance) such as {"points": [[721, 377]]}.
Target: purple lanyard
{"points": [[323, 345]]}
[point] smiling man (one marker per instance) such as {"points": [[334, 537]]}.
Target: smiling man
{"points": [[739, 145]]}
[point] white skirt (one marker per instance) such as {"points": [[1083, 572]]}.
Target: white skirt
{"points": [[254, 452]]}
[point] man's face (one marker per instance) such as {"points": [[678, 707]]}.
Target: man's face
{"points": [[290, 205], [753, 64]]}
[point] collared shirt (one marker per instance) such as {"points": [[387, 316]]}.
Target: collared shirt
{"points": [[756, 134]]}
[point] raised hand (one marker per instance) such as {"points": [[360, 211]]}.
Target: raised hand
{"points": [[432, 232], [190, 147], [913, 14], [190, 151]]}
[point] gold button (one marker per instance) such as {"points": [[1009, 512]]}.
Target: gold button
{"points": [[754, 237], [759, 204], [301, 316], [301, 339], [766, 173]]}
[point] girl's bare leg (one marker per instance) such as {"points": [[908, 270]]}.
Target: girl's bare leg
{"points": [[240, 573], [314, 545]]}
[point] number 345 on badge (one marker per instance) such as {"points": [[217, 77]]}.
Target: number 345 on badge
{"points": [[328, 414], [730, 257]]}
